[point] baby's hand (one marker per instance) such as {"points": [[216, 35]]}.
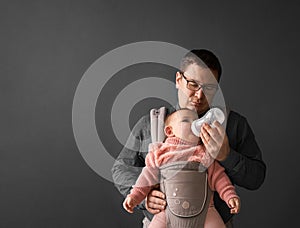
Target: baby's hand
{"points": [[129, 204], [235, 205]]}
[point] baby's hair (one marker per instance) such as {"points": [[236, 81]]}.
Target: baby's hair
{"points": [[170, 117]]}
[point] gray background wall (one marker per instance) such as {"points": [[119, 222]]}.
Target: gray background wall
{"points": [[46, 46]]}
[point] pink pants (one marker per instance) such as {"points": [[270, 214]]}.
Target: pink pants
{"points": [[213, 219]]}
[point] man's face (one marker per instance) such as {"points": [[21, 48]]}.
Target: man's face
{"points": [[181, 125], [195, 100]]}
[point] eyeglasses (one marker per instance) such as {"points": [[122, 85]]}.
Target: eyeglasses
{"points": [[194, 86]]}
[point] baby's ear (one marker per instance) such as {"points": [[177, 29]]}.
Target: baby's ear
{"points": [[168, 131]]}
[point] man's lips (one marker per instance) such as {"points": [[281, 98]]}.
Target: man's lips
{"points": [[195, 103]]}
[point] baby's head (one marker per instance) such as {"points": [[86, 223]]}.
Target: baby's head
{"points": [[178, 124]]}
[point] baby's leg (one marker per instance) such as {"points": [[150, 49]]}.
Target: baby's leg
{"points": [[159, 220], [213, 219]]}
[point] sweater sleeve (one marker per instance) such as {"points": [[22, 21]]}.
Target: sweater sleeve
{"points": [[220, 182], [146, 180]]}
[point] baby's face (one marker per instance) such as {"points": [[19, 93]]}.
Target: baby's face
{"points": [[181, 125]]}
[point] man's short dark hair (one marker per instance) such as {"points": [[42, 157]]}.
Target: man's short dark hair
{"points": [[203, 58]]}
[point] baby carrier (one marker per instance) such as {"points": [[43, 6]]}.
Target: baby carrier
{"points": [[185, 184]]}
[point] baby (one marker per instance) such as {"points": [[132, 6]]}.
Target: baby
{"points": [[182, 145]]}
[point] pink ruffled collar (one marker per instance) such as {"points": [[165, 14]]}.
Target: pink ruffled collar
{"points": [[179, 141]]}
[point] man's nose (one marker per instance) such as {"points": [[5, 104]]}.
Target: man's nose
{"points": [[199, 93]]}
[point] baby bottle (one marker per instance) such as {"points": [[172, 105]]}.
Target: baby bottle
{"points": [[211, 115]]}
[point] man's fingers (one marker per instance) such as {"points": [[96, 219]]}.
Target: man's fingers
{"points": [[155, 201], [218, 126], [204, 135], [151, 207], [157, 194], [216, 132], [156, 206]]}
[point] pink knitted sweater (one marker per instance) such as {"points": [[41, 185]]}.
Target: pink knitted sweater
{"points": [[173, 150]]}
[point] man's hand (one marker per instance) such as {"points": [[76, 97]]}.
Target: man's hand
{"points": [[215, 140], [155, 201]]}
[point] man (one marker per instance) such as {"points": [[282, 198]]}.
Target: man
{"points": [[235, 149]]}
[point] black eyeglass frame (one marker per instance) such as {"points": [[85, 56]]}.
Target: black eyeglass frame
{"points": [[207, 88]]}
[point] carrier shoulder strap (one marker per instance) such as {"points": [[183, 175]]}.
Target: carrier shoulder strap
{"points": [[157, 117]]}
